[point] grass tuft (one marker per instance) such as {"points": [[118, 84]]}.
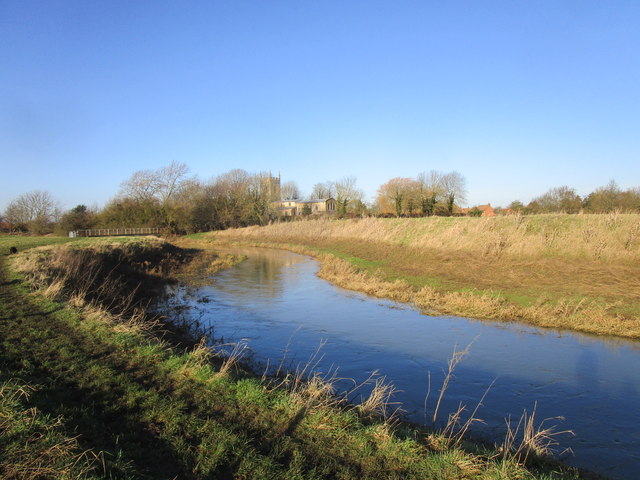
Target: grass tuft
{"points": [[528, 440]]}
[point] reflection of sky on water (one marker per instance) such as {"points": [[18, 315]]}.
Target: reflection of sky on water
{"points": [[274, 299]]}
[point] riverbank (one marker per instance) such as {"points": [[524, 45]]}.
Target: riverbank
{"points": [[115, 398], [575, 272]]}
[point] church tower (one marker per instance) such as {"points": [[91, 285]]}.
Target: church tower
{"points": [[271, 186]]}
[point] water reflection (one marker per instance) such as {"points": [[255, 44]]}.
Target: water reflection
{"points": [[275, 301], [265, 269]]}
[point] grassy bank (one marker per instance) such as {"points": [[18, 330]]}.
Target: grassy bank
{"points": [[577, 272], [91, 387]]}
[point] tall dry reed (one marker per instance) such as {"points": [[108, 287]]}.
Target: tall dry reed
{"points": [[526, 438], [602, 237]]}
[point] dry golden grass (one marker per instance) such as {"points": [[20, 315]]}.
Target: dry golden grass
{"points": [[527, 439], [578, 272], [583, 316], [232, 358], [380, 402], [604, 237]]}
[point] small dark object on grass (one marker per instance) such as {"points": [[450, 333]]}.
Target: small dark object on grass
{"points": [[13, 250]]}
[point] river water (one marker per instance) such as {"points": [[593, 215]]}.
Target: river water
{"points": [[275, 301]]}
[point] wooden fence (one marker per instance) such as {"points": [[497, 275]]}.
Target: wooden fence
{"points": [[113, 232]]}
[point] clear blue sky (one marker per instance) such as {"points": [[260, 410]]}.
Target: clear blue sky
{"points": [[518, 96]]}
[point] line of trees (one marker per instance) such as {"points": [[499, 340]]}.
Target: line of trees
{"points": [[349, 198], [169, 198], [431, 193], [609, 198]]}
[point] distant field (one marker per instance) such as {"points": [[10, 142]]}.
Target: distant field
{"points": [[22, 242], [566, 271]]}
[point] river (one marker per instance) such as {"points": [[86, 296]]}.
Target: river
{"points": [[276, 302]]}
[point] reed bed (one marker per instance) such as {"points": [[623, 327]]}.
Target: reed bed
{"points": [[601, 237]]}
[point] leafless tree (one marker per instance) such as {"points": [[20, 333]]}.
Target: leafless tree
{"points": [[346, 193], [430, 190], [394, 195], [557, 199], [160, 185], [35, 210], [170, 179], [241, 198], [259, 195], [233, 184], [290, 191], [323, 190], [455, 188], [142, 185]]}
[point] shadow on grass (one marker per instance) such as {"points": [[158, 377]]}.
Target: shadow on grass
{"points": [[41, 351], [102, 423]]}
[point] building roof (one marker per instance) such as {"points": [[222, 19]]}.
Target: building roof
{"points": [[316, 200], [487, 210], [484, 207]]}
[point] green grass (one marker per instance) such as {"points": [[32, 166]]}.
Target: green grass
{"points": [[386, 271], [25, 242], [34, 445], [146, 408], [22, 242], [360, 263], [393, 272]]}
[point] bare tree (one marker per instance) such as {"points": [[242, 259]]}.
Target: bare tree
{"points": [[347, 193], [290, 191], [161, 184], [455, 188], [36, 211], [557, 199], [323, 190], [14, 217], [395, 194], [234, 183], [259, 195], [430, 190], [171, 179], [153, 197], [143, 185], [242, 199]]}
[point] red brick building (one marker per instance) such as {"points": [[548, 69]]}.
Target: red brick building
{"points": [[487, 210]]}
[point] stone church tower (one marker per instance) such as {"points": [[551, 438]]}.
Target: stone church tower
{"points": [[271, 185]]}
